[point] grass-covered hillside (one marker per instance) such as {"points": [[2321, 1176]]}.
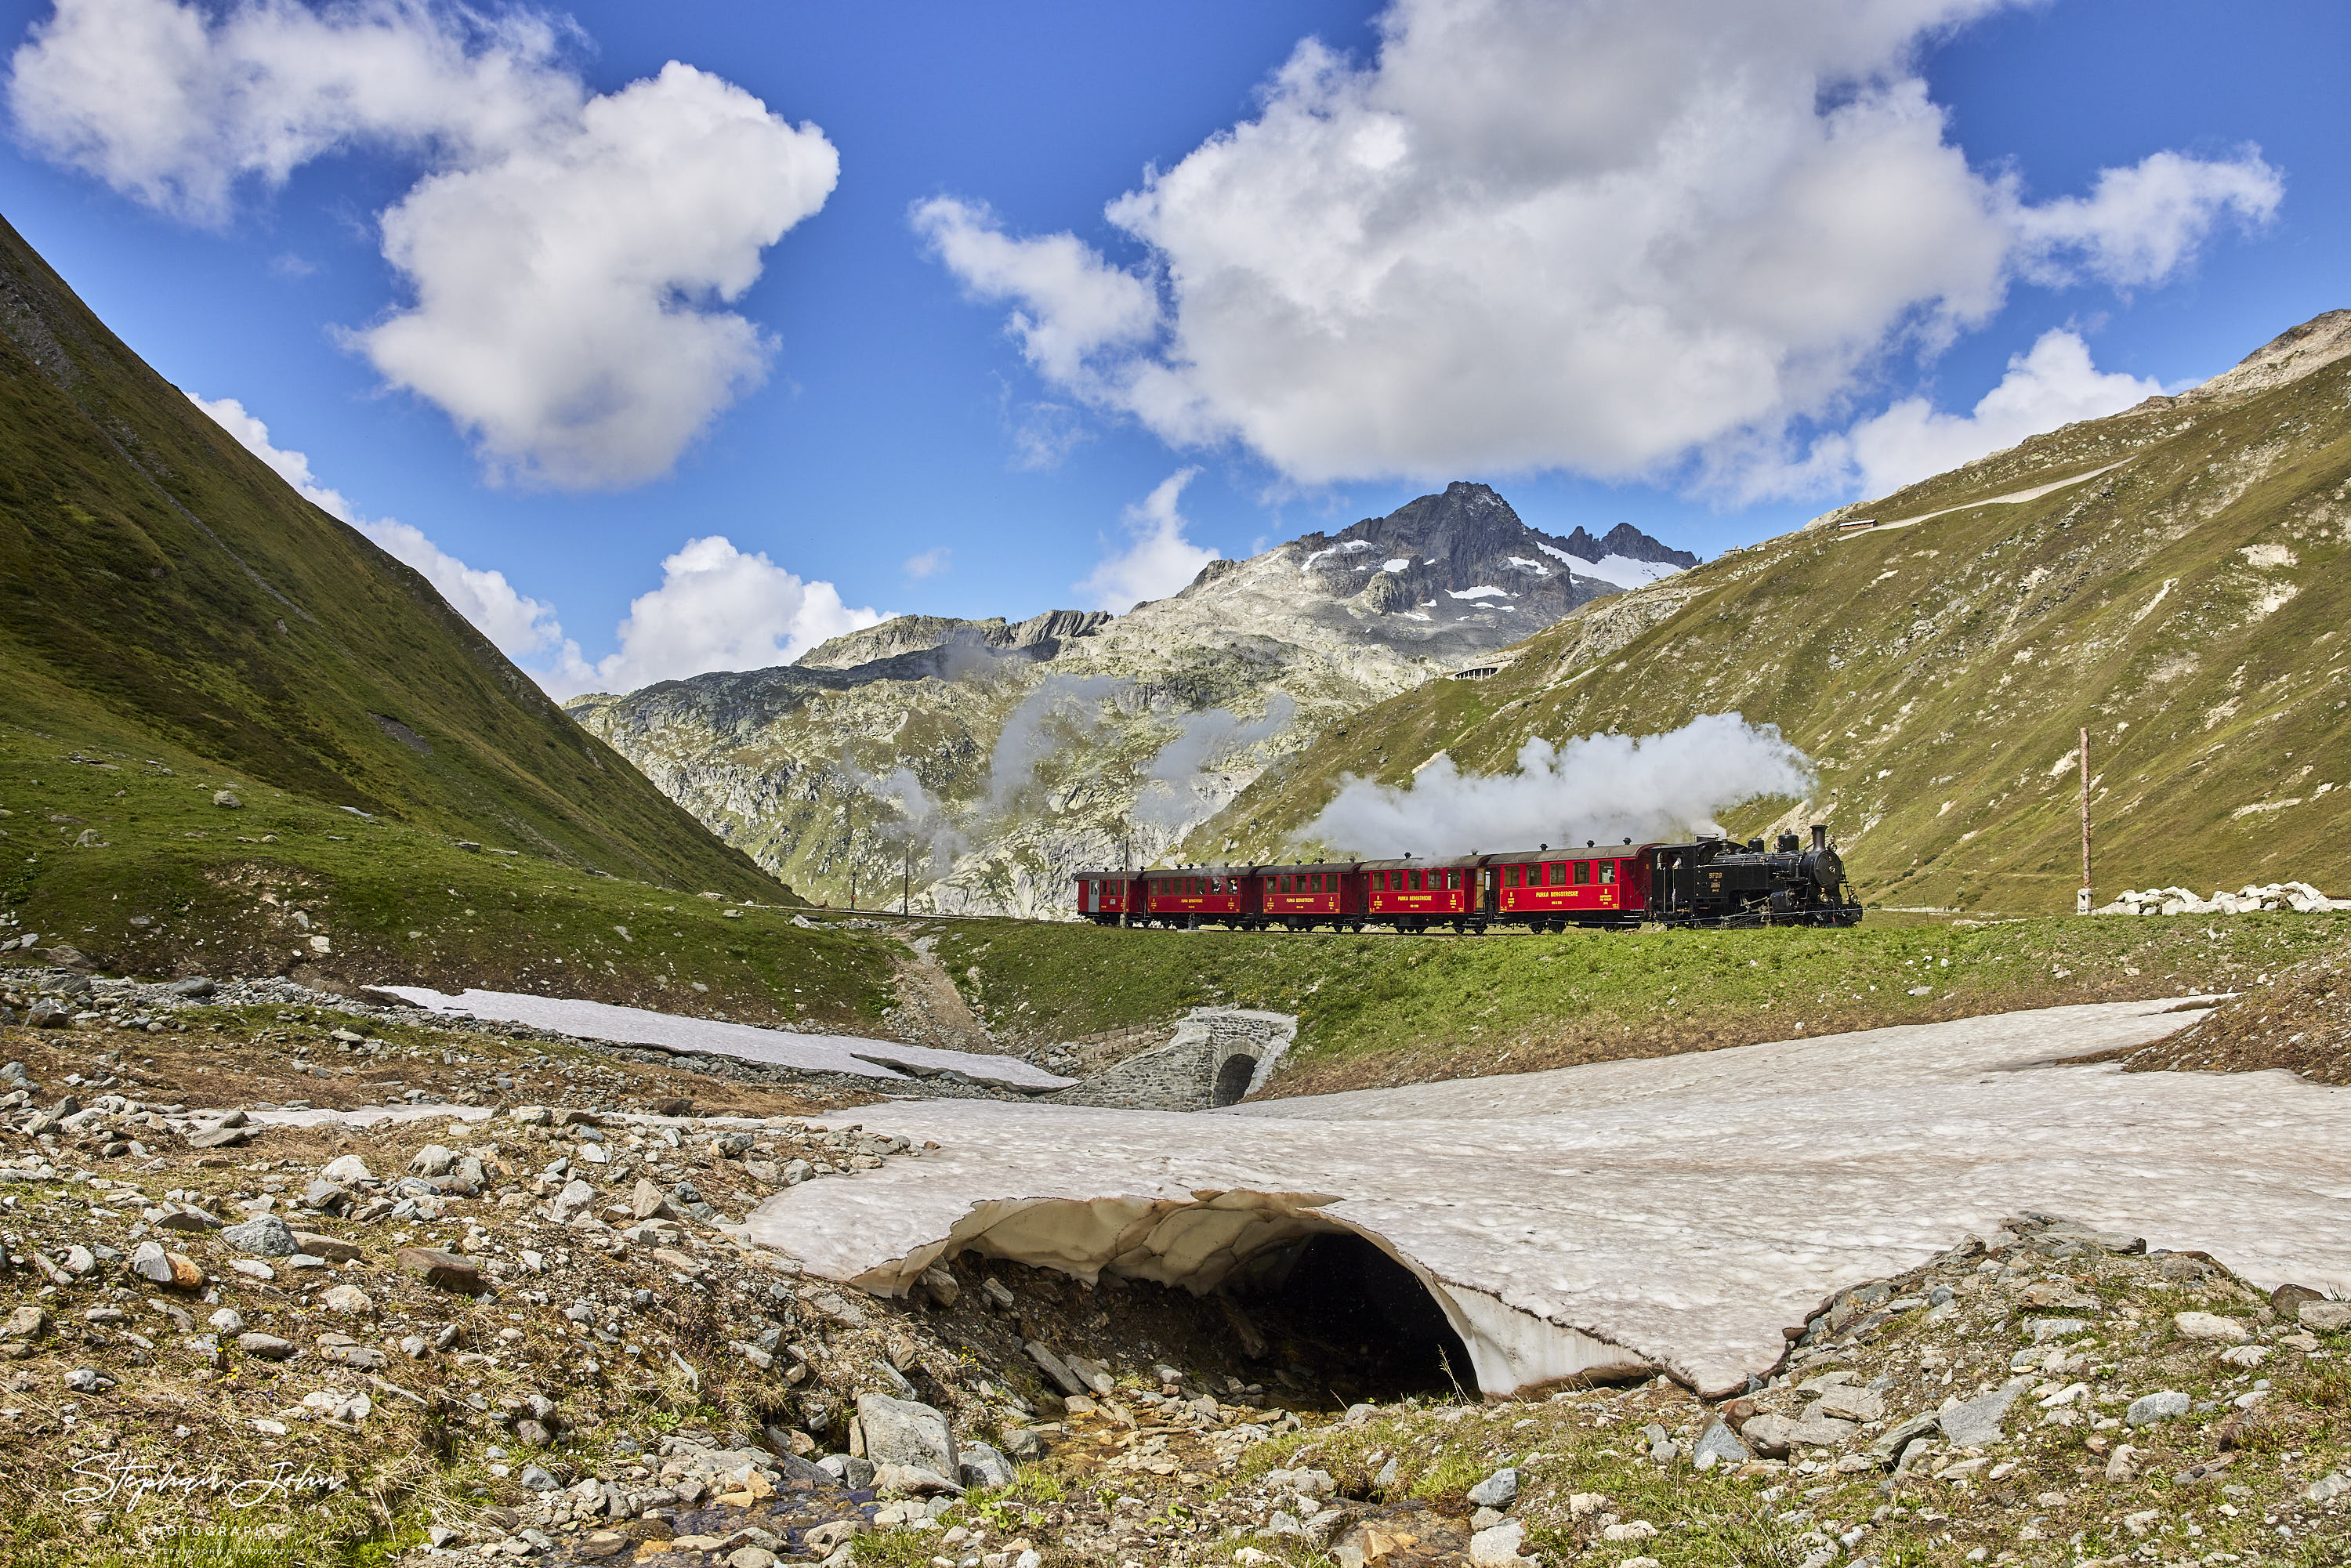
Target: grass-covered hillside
{"points": [[117, 851], [163, 588], [1392, 1009], [2189, 608]]}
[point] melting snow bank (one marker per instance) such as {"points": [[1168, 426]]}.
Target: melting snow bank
{"points": [[745, 1042], [1677, 1212]]}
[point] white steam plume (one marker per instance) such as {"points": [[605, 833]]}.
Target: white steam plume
{"points": [[1600, 787], [1203, 739], [924, 816], [1041, 726]]}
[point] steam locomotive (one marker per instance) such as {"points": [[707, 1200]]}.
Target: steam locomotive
{"points": [[1711, 880]]}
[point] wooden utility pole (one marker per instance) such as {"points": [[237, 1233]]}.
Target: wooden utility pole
{"points": [[906, 882], [849, 842], [2082, 899]]}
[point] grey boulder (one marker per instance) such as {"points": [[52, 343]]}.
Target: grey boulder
{"points": [[265, 1236], [906, 1433], [979, 1465], [1976, 1423], [2149, 1408]]}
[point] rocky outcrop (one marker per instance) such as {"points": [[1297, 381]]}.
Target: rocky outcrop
{"points": [[1039, 637]]}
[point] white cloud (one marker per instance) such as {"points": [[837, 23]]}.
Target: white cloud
{"points": [[930, 563], [569, 254], [1075, 303], [563, 292], [519, 626], [2054, 384], [2142, 225], [1534, 233], [1157, 561], [717, 608]]}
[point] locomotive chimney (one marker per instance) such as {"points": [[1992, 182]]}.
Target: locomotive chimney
{"points": [[1820, 835]]}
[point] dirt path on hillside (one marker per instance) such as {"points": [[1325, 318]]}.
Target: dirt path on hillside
{"points": [[930, 1010]]}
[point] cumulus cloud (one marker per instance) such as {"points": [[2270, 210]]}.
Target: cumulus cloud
{"points": [[930, 563], [520, 626], [1534, 233], [1599, 787], [570, 255], [2144, 223], [2054, 384], [717, 608], [1157, 561]]}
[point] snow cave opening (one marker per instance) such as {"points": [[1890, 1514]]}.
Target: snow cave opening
{"points": [[1342, 1313]]}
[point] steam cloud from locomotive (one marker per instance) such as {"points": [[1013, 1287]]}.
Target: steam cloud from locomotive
{"points": [[1605, 787]]}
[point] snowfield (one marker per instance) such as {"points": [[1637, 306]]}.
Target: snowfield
{"points": [[1672, 1213], [745, 1042]]}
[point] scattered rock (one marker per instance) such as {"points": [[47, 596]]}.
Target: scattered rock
{"points": [[1717, 1445], [267, 1347], [443, 1271], [1976, 1423], [2211, 1326], [1498, 1547], [2327, 1317], [2150, 1408], [1502, 1489], [905, 1432], [980, 1465], [263, 1235], [349, 1300], [333, 1249]]}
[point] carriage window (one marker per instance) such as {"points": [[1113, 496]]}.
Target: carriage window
{"points": [[1556, 875], [1453, 878], [1416, 880], [1583, 873], [1511, 877], [1607, 874]]}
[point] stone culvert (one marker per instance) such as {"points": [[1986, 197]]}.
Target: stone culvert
{"points": [[1216, 1056]]}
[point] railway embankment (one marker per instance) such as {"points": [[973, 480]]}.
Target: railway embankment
{"points": [[1376, 1010]]}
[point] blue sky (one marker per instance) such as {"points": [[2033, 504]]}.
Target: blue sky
{"points": [[1404, 269]]}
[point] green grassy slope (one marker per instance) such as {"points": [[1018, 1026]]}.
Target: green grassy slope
{"points": [[2189, 608], [1394, 1009], [159, 581], [117, 851]]}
